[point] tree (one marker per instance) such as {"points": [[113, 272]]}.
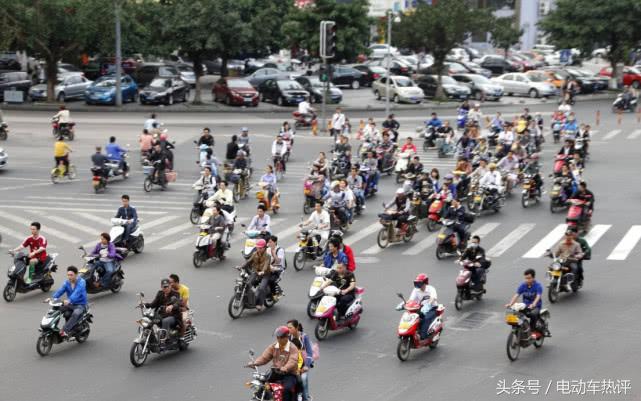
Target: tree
{"points": [[302, 28], [586, 24], [439, 28], [504, 33]]}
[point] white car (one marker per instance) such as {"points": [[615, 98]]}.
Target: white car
{"points": [[4, 157], [187, 74], [458, 54], [522, 84], [379, 50], [401, 89]]}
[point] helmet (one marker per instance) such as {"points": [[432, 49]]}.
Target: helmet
{"points": [[335, 184], [240, 153], [400, 191], [244, 129], [261, 243], [282, 331], [163, 137], [421, 279]]}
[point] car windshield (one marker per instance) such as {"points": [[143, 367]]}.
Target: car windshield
{"points": [[378, 70], [184, 68], [479, 79], [289, 85], [634, 70], [161, 82], [239, 83], [537, 77], [456, 69], [448, 80], [106, 83], [404, 82], [166, 71]]}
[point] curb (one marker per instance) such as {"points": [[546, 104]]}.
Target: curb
{"points": [[215, 108]]}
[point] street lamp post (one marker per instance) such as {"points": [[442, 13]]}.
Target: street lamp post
{"points": [[389, 56], [118, 54]]}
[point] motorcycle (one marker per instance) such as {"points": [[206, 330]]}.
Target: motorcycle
{"points": [[408, 329], [483, 199], [619, 104], [279, 167], [339, 167], [327, 314], [305, 120], [521, 334], [50, 328], [558, 200], [428, 133], [465, 291], [136, 242], [434, 212], [4, 131], [386, 160], [366, 146], [335, 221], [557, 125], [245, 295], [309, 248], [64, 130], [59, 172], [262, 386], [529, 191], [315, 293], [16, 283], [311, 196], [262, 196], [390, 234], [560, 276], [198, 205], [576, 218], [559, 162], [152, 339], [239, 180], [152, 178], [98, 179], [446, 241], [92, 275], [403, 160], [370, 189], [250, 242], [114, 168], [208, 248]]}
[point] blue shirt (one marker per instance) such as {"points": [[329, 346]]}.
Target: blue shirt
{"points": [[76, 295], [434, 122], [114, 152], [530, 293], [329, 259], [128, 213]]}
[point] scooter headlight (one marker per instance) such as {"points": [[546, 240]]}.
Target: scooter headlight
{"points": [[12, 269], [146, 322]]}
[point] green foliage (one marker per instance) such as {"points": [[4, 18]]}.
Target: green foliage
{"points": [[504, 33], [302, 27]]}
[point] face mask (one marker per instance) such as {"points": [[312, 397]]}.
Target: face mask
{"points": [[474, 245]]}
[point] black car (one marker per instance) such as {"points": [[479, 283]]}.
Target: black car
{"points": [[348, 76], [371, 72], [164, 90], [149, 71], [396, 67], [18, 81], [282, 92], [497, 64], [451, 88], [315, 87], [588, 83]]}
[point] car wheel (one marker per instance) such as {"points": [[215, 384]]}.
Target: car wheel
{"points": [[61, 97], [356, 84], [134, 98], [396, 99], [262, 97], [533, 93], [280, 101], [377, 94], [170, 100], [227, 100], [478, 95]]}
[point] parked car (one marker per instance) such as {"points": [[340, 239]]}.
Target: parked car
{"points": [[238, 66], [522, 63], [103, 90], [235, 91], [371, 73], [481, 87], [396, 67], [63, 69], [587, 83], [631, 75], [18, 81], [497, 64], [474, 68], [187, 74], [282, 92], [68, 86], [4, 158], [458, 54], [315, 88], [9, 64], [536, 60], [549, 76], [380, 50], [401, 89], [165, 90], [147, 72], [452, 89], [348, 76], [520, 83], [263, 74], [600, 82]]}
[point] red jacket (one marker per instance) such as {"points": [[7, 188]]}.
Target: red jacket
{"points": [[351, 262]]}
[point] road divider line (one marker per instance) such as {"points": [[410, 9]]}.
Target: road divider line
{"points": [[627, 244], [635, 134], [373, 250], [422, 245], [596, 233], [547, 242], [509, 240], [611, 134], [77, 209], [46, 230]]}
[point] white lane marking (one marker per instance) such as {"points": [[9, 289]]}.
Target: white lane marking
{"points": [[24, 186], [179, 244], [77, 209], [373, 250], [485, 229], [94, 218], [168, 232], [627, 244], [547, 242], [274, 222], [147, 225], [596, 233], [61, 220], [422, 245], [45, 230], [7, 231], [509, 240], [635, 134], [611, 134], [360, 234], [110, 201]]}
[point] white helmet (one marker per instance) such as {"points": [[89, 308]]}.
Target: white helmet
{"points": [[400, 191]]}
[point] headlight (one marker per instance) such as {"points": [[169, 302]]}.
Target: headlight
{"points": [[146, 322], [556, 266], [13, 267]]}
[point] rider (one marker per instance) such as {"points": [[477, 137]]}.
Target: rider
{"points": [[277, 265], [425, 295], [533, 168], [232, 149], [392, 125], [217, 224], [570, 252], [370, 132], [456, 212], [627, 97], [509, 165], [225, 196], [374, 175], [343, 147], [492, 180], [151, 122], [146, 141], [338, 201], [206, 138], [532, 292], [355, 182], [321, 164], [284, 357], [115, 153], [259, 262], [306, 110], [345, 281], [208, 183], [76, 290], [261, 221], [584, 194], [269, 180], [287, 133], [99, 160], [476, 254], [243, 139], [334, 255], [408, 146], [350, 198], [433, 125], [279, 149], [320, 223], [475, 116], [37, 245], [167, 302], [415, 167], [402, 207], [63, 116], [181, 289], [106, 251], [586, 253], [387, 146], [127, 212], [158, 158], [61, 153]]}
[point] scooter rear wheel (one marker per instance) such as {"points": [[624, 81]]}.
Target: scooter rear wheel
{"points": [[197, 260], [194, 216], [299, 260], [458, 301]]}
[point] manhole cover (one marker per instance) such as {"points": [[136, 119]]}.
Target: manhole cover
{"points": [[473, 320]]}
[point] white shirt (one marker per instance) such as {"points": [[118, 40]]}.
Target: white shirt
{"points": [[304, 107], [372, 133], [475, 115], [338, 121], [319, 220], [349, 196], [208, 183], [63, 117], [149, 124], [424, 297], [506, 137], [227, 195], [280, 254], [279, 149], [491, 179], [565, 108]]}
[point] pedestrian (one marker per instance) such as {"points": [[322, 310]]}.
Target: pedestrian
{"points": [[338, 123]]}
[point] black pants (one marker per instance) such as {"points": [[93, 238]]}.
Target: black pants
{"points": [[227, 208], [64, 160], [343, 302], [461, 233], [262, 287], [533, 314], [159, 172]]}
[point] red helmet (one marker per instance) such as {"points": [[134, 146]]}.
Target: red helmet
{"points": [[282, 331], [163, 137], [261, 243], [422, 279]]}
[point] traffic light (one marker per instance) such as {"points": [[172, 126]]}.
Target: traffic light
{"points": [[323, 73], [330, 39]]}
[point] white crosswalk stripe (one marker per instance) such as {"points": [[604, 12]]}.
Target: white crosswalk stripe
{"points": [[627, 244], [509, 240], [611, 134], [485, 229], [361, 234], [46, 230], [166, 233], [635, 134], [7, 231], [61, 220], [552, 238], [422, 245], [596, 233]]}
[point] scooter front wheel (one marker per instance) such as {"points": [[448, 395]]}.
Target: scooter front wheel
{"points": [[236, 307], [299, 260], [458, 301], [513, 346], [403, 348], [322, 329], [44, 344], [10, 290], [146, 185], [137, 356], [382, 239], [194, 216]]}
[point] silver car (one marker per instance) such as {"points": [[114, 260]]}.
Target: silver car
{"points": [[522, 84], [187, 74], [481, 87], [4, 157], [68, 86], [401, 89]]}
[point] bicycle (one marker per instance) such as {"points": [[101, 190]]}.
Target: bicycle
{"points": [[59, 172]]}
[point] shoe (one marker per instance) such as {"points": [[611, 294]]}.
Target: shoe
{"points": [[260, 308], [63, 334], [27, 280]]}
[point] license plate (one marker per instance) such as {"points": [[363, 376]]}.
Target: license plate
{"points": [[250, 243], [302, 243], [203, 233], [316, 284], [404, 325], [477, 198], [83, 270], [554, 193], [555, 273], [526, 186], [510, 319]]}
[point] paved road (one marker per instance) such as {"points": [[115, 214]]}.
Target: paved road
{"points": [[595, 332]]}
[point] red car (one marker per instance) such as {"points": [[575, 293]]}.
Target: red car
{"points": [[235, 91], [631, 76]]}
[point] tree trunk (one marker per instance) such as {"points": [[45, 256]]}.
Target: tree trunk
{"points": [[439, 72], [616, 73], [198, 72], [223, 66], [51, 76]]}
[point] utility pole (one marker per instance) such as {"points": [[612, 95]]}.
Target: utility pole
{"points": [[327, 51], [389, 59], [118, 54]]}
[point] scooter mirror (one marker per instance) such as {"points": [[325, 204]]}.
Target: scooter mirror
{"points": [[141, 294], [251, 352], [400, 295]]}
